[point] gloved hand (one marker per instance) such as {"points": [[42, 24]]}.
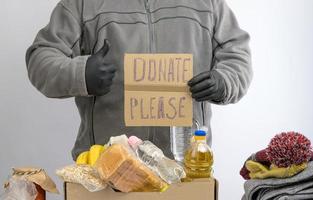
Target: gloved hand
{"points": [[208, 86], [99, 74], [259, 171]]}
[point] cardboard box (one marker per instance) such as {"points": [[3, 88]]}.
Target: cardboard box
{"points": [[202, 189]]}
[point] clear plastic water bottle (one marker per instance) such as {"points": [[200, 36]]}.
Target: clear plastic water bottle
{"points": [[180, 140], [153, 157]]}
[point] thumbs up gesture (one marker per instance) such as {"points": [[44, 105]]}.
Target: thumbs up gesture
{"points": [[99, 73]]}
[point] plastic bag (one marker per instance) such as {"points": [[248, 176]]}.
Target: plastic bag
{"points": [[37, 176], [20, 189], [123, 141], [151, 156], [84, 175], [126, 173]]}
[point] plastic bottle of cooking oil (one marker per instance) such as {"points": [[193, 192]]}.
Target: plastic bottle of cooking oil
{"points": [[198, 159]]}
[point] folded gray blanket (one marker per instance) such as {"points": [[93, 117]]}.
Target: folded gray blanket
{"points": [[298, 187]]}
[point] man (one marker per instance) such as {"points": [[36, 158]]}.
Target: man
{"points": [[80, 54]]}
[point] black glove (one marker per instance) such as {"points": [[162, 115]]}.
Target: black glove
{"points": [[99, 73], [208, 86]]}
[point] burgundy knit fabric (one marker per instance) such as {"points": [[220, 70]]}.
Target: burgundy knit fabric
{"points": [[260, 157], [289, 148], [244, 172]]}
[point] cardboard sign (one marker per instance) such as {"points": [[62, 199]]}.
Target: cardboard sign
{"points": [[156, 91]]}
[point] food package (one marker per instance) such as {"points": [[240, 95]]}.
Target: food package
{"points": [[126, 173], [84, 175], [150, 155], [19, 189], [122, 140], [37, 176], [28, 184]]}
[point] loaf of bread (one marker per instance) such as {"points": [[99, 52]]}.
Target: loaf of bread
{"points": [[124, 172]]}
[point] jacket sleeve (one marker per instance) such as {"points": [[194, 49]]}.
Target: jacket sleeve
{"points": [[54, 63], [231, 53]]}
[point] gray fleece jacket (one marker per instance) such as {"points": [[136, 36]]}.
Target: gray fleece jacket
{"points": [[205, 28]]}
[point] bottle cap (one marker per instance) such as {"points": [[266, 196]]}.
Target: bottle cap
{"points": [[134, 142], [204, 128], [200, 133]]}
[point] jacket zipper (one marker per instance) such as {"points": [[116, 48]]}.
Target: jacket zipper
{"points": [[82, 47], [147, 6], [151, 130], [202, 109], [92, 135]]}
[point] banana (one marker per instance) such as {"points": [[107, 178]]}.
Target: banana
{"points": [[83, 158], [90, 157], [94, 153]]}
